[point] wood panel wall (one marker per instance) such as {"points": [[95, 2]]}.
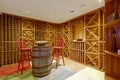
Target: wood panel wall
{"points": [[112, 59], [112, 67]]}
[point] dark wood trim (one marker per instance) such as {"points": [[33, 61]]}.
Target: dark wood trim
{"points": [[112, 53], [113, 23], [106, 1]]}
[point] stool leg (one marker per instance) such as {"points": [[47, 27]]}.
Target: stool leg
{"points": [[57, 61], [22, 67], [22, 59], [53, 55], [63, 58], [19, 64], [22, 62], [57, 58], [63, 61], [29, 57]]}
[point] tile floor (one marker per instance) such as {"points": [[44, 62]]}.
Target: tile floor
{"points": [[74, 65], [79, 67]]}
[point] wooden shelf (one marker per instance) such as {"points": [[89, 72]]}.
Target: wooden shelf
{"points": [[78, 41], [112, 23], [112, 53]]}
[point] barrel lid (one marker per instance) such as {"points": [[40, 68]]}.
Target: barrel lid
{"points": [[37, 46], [41, 43]]}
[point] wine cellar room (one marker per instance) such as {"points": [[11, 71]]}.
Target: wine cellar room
{"points": [[91, 39]]}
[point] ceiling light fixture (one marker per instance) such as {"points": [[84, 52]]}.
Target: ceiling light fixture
{"points": [[28, 12], [99, 0], [82, 5], [72, 11]]}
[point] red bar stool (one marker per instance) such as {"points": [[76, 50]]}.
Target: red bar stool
{"points": [[25, 49], [57, 53]]}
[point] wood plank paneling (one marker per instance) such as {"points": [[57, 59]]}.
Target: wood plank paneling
{"points": [[112, 66], [109, 9]]}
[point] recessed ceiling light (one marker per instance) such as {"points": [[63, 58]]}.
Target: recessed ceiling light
{"points": [[51, 16], [99, 0], [58, 17], [28, 11], [72, 11], [82, 5]]}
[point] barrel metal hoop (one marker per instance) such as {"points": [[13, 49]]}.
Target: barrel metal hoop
{"points": [[41, 56], [42, 66], [41, 50], [41, 72]]}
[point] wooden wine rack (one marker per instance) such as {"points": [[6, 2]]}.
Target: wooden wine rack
{"points": [[94, 38], [12, 27], [28, 30], [0, 39], [91, 29], [78, 51], [50, 34], [67, 32], [40, 30], [11, 30]]}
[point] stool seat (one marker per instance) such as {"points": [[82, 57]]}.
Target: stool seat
{"points": [[57, 47], [25, 49]]}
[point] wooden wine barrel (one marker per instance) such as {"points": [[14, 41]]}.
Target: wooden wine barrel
{"points": [[41, 61]]}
